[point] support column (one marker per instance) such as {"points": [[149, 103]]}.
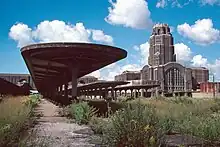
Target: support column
{"points": [[112, 93], [131, 93], [74, 82], [66, 90], [142, 92]]}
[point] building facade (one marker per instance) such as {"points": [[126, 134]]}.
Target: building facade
{"points": [[173, 77], [161, 49], [199, 75], [128, 76], [210, 87]]}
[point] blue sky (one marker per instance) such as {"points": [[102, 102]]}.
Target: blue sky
{"points": [[123, 23]]}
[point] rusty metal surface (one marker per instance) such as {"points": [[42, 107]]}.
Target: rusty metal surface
{"points": [[8, 88], [49, 63], [102, 84]]}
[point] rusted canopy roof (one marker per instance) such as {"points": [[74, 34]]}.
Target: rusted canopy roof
{"points": [[49, 63], [147, 86], [101, 84]]}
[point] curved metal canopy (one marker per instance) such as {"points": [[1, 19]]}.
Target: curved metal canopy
{"points": [[50, 64]]}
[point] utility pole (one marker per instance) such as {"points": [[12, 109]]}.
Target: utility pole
{"points": [[213, 85]]}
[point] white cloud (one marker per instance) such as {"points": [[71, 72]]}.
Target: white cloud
{"points": [[144, 52], [56, 31], [134, 14], [109, 72], [96, 74], [214, 68], [161, 4], [174, 3], [53, 31], [199, 61], [210, 2], [21, 33], [183, 52], [202, 32], [99, 35]]}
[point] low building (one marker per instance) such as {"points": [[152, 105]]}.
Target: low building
{"points": [[199, 75], [128, 76], [210, 87]]}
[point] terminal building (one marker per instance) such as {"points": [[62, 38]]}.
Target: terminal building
{"points": [[174, 78]]}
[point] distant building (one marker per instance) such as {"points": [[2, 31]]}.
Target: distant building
{"points": [[210, 87], [162, 68], [18, 79], [173, 77], [199, 75], [128, 76]]}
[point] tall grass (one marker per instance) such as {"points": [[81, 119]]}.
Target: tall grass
{"points": [[189, 116], [15, 113], [135, 125]]}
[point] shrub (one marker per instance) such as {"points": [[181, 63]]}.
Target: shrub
{"points": [[135, 125], [81, 112], [98, 124]]}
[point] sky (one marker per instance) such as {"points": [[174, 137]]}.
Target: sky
{"points": [[127, 24]]}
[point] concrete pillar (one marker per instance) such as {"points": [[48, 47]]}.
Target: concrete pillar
{"points": [[142, 92], [74, 82], [131, 93], [113, 93], [162, 94], [66, 90]]}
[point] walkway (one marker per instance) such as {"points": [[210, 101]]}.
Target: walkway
{"points": [[55, 131]]}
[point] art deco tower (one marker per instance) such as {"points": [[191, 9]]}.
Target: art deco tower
{"points": [[161, 49]]}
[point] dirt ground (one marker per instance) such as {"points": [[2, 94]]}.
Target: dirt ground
{"points": [[55, 131]]}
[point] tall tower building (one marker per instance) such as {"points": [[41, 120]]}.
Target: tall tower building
{"points": [[161, 49]]}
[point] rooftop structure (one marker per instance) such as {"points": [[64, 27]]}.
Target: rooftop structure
{"points": [[128, 75], [54, 64]]}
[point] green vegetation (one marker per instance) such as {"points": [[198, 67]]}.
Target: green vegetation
{"points": [[81, 112], [15, 116], [145, 122], [135, 125]]}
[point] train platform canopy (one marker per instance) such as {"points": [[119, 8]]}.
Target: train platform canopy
{"points": [[146, 86], [54, 64], [101, 84]]}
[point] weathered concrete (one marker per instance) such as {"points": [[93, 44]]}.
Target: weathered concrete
{"points": [[57, 131]]}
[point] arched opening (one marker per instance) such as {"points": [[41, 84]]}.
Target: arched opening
{"points": [[174, 81]]}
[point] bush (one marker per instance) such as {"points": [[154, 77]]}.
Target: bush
{"points": [[136, 125], [98, 124], [81, 112]]}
